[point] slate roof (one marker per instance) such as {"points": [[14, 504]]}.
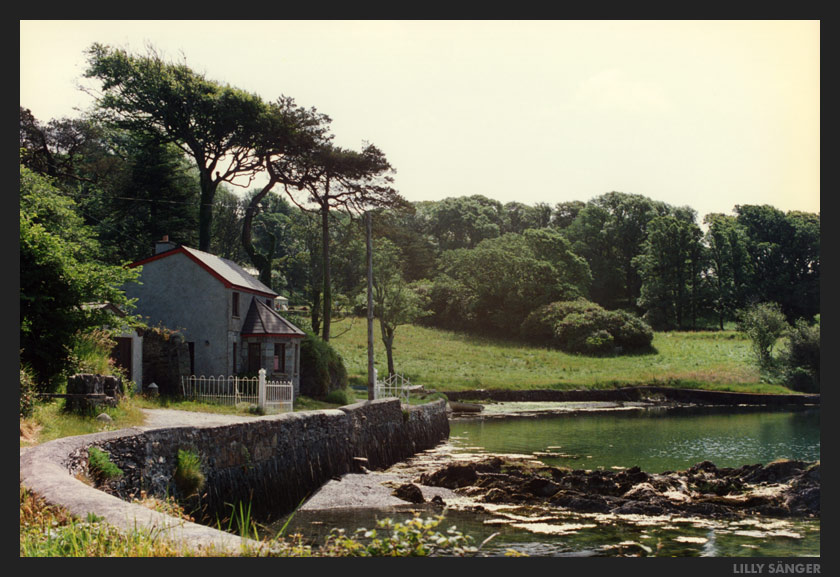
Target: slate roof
{"points": [[227, 271], [262, 320]]}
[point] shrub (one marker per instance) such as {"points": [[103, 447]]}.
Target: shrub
{"points": [[340, 397], [801, 360], [188, 477], [414, 537], [585, 327], [321, 368], [100, 466], [28, 393], [763, 324], [92, 353]]}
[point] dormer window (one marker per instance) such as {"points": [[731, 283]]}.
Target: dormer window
{"points": [[235, 305]]}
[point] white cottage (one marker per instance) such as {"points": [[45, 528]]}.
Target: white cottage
{"points": [[225, 314]]}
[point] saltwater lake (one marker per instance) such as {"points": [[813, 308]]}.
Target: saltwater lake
{"points": [[654, 439]]}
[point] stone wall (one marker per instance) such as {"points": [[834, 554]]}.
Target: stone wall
{"points": [[87, 392], [166, 358], [274, 462]]}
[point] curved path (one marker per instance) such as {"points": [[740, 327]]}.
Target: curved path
{"points": [[44, 472]]}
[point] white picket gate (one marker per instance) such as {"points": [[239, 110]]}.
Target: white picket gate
{"points": [[394, 386], [270, 396]]}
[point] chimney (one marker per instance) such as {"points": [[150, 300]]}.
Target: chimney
{"points": [[164, 245]]}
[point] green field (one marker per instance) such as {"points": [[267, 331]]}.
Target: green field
{"points": [[448, 361]]}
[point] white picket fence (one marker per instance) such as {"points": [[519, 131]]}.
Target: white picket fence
{"points": [[394, 386], [270, 396]]}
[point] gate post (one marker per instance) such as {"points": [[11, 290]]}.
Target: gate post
{"points": [[261, 390]]}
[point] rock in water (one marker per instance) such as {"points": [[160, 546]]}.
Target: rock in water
{"points": [[409, 492]]}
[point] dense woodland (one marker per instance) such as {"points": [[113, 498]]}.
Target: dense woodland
{"points": [[165, 152]]}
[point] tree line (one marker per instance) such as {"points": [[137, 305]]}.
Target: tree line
{"points": [[164, 149]]}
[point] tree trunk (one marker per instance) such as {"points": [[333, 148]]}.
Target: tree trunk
{"points": [[315, 312], [388, 341], [262, 262], [205, 211]]}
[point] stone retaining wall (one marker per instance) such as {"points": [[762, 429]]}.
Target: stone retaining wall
{"points": [[273, 462]]}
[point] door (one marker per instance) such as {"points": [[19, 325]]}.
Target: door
{"points": [[121, 354], [254, 360]]}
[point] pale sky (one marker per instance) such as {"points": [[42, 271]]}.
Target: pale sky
{"points": [[708, 114]]}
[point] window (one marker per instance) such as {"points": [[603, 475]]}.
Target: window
{"points": [[234, 358], [235, 305], [279, 358]]}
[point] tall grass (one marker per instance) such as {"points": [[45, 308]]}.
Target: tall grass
{"points": [[450, 361], [49, 531]]}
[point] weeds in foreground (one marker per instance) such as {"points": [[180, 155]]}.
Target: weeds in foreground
{"points": [[100, 465], [50, 531], [416, 537]]}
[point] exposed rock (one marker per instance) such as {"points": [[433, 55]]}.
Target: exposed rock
{"points": [[437, 500], [409, 492], [456, 475], [104, 417], [781, 488]]}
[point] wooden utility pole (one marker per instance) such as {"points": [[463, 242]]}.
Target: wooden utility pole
{"points": [[371, 370]]}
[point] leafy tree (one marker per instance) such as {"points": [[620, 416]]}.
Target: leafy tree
{"points": [[284, 133], [404, 228], [565, 213], [464, 221], [784, 249], [729, 265], [63, 149], [609, 233], [670, 266], [155, 196], [395, 302], [498, 283], [228, 211], [131, 188], [210, 122], [335, 178], [801, 359], [764, 324], [60, 277], [519, 217]]}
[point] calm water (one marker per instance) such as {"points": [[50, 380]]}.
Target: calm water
{"points": [[656, 441]]}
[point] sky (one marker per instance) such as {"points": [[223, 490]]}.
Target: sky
{"points": [[707, 114]]}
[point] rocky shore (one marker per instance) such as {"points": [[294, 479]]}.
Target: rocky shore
{"points": [[655, 394], [779, 489]]}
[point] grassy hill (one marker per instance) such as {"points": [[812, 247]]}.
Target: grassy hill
{"points": [[449, 361]]}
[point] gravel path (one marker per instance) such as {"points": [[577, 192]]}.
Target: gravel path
{"points": [[163, 418]]}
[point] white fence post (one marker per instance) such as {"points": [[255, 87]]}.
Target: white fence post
{"points": [[261, 393]]}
